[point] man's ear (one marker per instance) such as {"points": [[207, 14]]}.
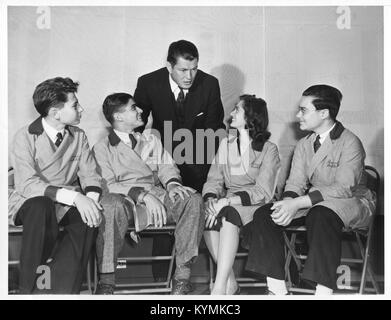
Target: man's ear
{"points": [[54, 113], [325, 113], [169, 67], [117, 116]]}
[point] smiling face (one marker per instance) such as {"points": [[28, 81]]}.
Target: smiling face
{"points": [[310, 119], [130, 115], [238, 117], [70, 113], [183, 72]]}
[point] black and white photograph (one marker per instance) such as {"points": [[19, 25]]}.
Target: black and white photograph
{"points": [[194, 150]]}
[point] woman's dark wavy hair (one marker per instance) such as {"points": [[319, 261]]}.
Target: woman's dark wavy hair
{"points": [[257, 120]]}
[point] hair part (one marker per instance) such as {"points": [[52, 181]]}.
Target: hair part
{"points": [[181, 48], [325, 97], [53, 93], [114, 103]]}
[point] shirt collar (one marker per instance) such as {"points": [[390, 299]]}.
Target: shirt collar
{"points": [[50, 131], [175, 88], [324, 135], [124, 137]]}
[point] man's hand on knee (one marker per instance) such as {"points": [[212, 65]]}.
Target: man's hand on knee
{"points": [[89, 210], [156, 207]]}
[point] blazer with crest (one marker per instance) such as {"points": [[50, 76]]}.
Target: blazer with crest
{"points": [[333, 177], [252, 176], [40, 169]]}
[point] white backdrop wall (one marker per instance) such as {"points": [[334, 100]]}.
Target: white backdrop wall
{"points": [[273, 52]]}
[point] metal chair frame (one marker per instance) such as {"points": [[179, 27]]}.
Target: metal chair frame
{"points": [[145, 287], [290, 237]]}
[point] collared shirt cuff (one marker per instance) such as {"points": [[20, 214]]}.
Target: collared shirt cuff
{"points": [[66, 196], [93, 195], [134, 192], [244, 197], [209, 195], [289, 194], [315, 197]]}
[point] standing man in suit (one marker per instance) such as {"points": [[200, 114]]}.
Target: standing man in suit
{"points": [[184, 97]]}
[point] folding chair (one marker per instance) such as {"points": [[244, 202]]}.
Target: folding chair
{"points": [[290, 238], [145, 287]]}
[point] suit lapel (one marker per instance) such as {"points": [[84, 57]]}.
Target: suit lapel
{"points": [[320, 155], [192, 108], [167, 98], [193, 102]]}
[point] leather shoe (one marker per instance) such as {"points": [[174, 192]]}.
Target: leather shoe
{"points": [[181, 287], [104, 288]]}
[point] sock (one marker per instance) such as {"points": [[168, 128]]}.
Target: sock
{"points": [[323, 291], [276, 286], [182, 272], [107, 278]]}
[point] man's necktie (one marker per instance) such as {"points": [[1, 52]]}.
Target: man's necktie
{"points": [[180, 102], [59, 139], [317, 143], [132, 140]]}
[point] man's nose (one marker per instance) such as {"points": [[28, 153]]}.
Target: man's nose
{"points": [[188, 74]]}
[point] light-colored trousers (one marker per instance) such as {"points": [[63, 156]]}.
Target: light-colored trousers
{"points": [[188, 214]]}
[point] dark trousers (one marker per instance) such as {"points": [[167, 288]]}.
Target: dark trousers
{"points": [[265, 241], [52, 261]]}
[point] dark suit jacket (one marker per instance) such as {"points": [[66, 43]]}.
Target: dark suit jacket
{"points": [[153, 94]]}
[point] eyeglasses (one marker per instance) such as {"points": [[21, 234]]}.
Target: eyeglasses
{"points": [[305, 110]]}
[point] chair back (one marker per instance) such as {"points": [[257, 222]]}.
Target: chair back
{"points": [[373, 183]]}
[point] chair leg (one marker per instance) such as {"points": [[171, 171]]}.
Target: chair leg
{"points": [[291, 246], [366, 264], [170, 267]]}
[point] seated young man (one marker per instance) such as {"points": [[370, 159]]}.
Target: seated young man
{"points": [[51, 160], [138, 167], [326, 185]]}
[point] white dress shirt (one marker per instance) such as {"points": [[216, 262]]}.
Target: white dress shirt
{"points": [[175, 88], [124, 136], [324, 135]]}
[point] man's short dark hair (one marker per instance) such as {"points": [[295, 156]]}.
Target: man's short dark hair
{"points": [[326, 97], [53, 93], [181, 48], [114, 103]]}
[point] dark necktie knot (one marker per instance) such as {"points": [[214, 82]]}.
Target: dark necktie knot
{"points": [[59, 139], [317, 143], [181, 96], [132, 140]]}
